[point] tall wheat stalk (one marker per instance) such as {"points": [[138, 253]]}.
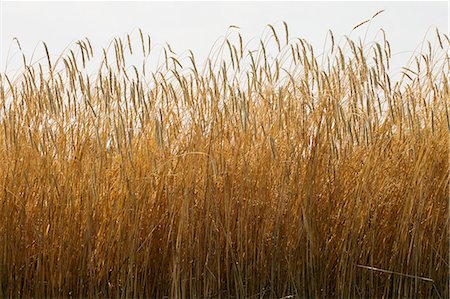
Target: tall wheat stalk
{"points": [[266, 173]]}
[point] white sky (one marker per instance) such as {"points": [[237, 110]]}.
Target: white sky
{"points": [[197, 25]]}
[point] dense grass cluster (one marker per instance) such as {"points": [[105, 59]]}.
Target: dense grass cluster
{"points": [[263, 172]]}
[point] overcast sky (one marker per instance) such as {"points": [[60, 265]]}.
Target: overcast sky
{"points": [[197, 25]]}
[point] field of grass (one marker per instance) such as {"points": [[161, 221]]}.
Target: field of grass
{"points": [[272, 171]]}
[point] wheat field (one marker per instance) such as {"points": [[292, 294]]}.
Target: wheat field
{"points": [[277, 171]]}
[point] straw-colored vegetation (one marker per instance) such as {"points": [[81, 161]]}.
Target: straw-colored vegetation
{"points": [[264, 172]]}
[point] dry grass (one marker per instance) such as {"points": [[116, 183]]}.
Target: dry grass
{"points": [[265, 172]]}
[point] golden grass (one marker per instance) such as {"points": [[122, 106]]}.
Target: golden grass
{"points": [[265, 172]]}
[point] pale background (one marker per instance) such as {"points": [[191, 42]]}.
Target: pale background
{"points": [[197, 25]]}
